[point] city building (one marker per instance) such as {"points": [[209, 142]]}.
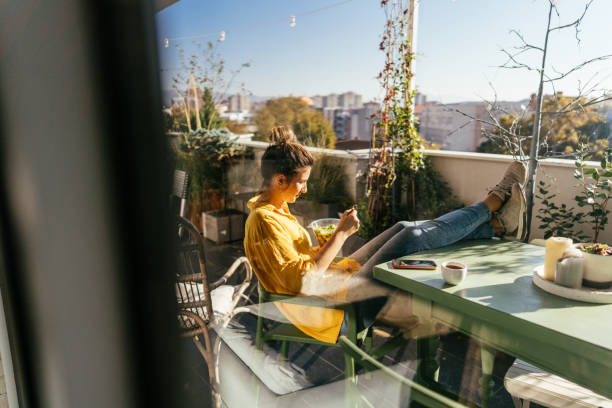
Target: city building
{"points": [[350, 100], [342, 124], [444, 126], [354, 124], [329, 101], [328, 114], [346, 114], [456, 126], [239, 103], [346, 100], [420, 99], [362, 121], [317, 101], [239, 117]]}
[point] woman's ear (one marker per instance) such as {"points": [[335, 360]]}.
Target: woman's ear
{"points": [[279, 180]]}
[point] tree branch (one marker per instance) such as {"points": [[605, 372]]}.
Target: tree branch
{"points": [[525, 43], [597, 100], [575, 23], [579, 66], [518, 64]]}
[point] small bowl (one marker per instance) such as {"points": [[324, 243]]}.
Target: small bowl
{"points": [[323, 229], [597, 269], [453, 272]]}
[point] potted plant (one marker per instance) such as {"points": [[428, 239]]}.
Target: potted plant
{"points": [[597, 265], [207, 155], [327, 192]]}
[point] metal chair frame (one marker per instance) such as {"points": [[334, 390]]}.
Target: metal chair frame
{"points": [[196, 312]]}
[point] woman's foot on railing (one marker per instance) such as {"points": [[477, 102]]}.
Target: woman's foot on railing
{"points": [[511, 216], [515, 173]]}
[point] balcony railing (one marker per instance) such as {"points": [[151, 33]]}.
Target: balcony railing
{"points": [[468, 174]]}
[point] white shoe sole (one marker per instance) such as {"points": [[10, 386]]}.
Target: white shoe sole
{"points": [[522, 224]]}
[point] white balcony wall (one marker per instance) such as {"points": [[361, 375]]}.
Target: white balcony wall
{"points": [[468, 174]]}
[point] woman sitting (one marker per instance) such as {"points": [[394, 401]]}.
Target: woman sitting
{"points": [[285, 261]]}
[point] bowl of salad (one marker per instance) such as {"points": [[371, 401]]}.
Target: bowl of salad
{"points": [[597, 265], [323, 229]]}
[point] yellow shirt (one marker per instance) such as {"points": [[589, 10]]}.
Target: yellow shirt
{"points": [[283, 259]]}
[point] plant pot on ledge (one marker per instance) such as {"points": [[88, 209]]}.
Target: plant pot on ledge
{"points": [[239, 201], [223, 226]]}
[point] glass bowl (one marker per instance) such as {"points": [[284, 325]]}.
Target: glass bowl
{"points": [[323, 229]]}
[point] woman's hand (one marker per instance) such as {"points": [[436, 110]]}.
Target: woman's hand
{"points": [[349, 223]]}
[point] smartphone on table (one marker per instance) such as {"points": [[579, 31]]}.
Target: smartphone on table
{"points": [[404, 263]]}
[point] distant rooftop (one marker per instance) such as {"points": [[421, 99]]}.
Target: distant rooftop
{"points": [[352, 144]]}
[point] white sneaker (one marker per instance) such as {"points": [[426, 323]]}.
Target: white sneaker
{"points": [[515, 173], [512, 215]]}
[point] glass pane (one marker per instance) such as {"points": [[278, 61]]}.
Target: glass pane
{"points": [[381, 158]]}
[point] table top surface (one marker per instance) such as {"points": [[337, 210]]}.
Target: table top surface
{"points": [[499, 287]]}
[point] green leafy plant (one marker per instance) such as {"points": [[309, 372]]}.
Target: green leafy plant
{"points": [[216, 145], [427, 194], [396, 126], [598, 249], [368, 227], [206, 156], [327, 182], [420, 195], [558, 221], [596, 189]]}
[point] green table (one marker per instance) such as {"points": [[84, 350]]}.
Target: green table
{"points": [[499, 305]]}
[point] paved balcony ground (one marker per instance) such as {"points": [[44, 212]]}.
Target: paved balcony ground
{"points": [[459, 356]]}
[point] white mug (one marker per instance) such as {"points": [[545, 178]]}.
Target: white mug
{"points": [[454, 272]]}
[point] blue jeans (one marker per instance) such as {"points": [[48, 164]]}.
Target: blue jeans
{"points": [[404, 238]]}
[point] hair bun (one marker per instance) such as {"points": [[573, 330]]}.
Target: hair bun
{"points": [[282, 135]]}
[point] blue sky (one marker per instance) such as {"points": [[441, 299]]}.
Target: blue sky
{"points": [[336, 50]]}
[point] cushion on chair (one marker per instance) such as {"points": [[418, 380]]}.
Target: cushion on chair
{"points": [[281, 378], [528, 382], [221, 298], [235, 374]]}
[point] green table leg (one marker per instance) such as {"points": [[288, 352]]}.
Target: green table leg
{"points": [[428, 367], [487, 355]]}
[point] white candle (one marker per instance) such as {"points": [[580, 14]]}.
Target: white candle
{"points": [[555, 246]]}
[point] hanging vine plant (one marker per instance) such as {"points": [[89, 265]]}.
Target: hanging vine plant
{"points": [[394, 137]]}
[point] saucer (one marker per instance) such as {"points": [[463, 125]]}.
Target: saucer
{"points": [[583, 294]]}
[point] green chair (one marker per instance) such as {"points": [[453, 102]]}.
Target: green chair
{"points": [[286, 332]]}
